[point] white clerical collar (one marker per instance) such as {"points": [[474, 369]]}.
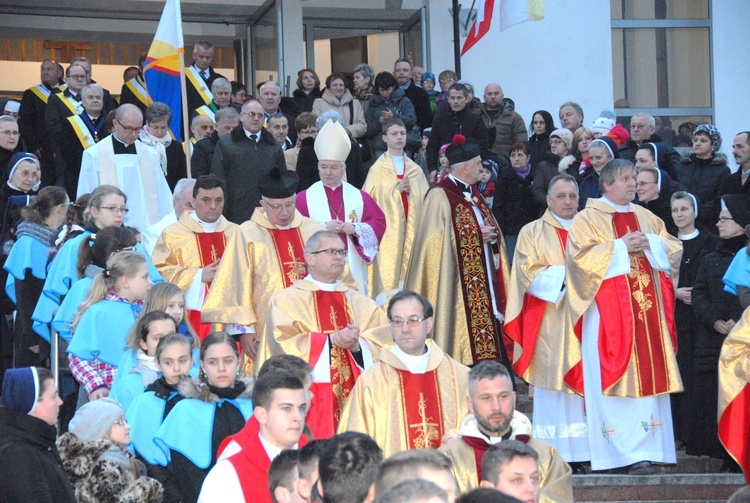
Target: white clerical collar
{"points": [[334, 188], [415, 364], [454, 178], [280, 227], [326, 287], [619, 207], [565, 223], [271, 450], [691, 235], [206, 226], [114, 136]]}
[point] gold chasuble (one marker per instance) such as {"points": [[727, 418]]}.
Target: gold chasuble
{"points": [[184, 248], [298, 322], [637, 342], [387, 272], [259, 261], [531, 322], [734, 393], [402, 410], [448, 265]]}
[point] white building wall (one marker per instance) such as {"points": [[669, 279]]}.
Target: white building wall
{"points": [[540, 64]]}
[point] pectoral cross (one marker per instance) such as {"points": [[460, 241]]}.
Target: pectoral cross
{"points": [[427, 431], [353, 217]]}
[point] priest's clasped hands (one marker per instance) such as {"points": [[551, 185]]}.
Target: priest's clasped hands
{"points": [[347, 337], [340, 226], [489, 234], [404, 185], [636, 241]]}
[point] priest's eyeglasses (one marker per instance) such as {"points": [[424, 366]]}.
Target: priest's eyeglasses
{"points": [[288, 205], [330, 251], [412, 322]]}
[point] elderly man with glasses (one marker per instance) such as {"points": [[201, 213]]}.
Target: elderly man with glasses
{"points": [[132, 166], [415, 393], [325, 322]]}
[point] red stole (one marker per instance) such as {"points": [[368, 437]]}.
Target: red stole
{"points": [[290, 253], [210, 249], [484, 335], [332, 313], [480, 446], [423, 413], [252, 463], [629, 306], [734, 425], [525, 328], [404, 195]]}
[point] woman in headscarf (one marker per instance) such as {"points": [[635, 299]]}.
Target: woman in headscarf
{"points": [[23, 177]]}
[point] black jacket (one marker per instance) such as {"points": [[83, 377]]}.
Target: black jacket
{"points": [[712, 303], [704, 178], [628, 151], [242, 164], [304, 102], [538, 148], [513, 204], [421, 101], [464, 122], [733, 184], [203, 155], [29, 461], [401, 107]]}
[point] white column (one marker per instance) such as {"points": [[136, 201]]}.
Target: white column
{"points": [[292, 42]]}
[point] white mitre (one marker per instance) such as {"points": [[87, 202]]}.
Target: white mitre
{"points": [[332, 142]]}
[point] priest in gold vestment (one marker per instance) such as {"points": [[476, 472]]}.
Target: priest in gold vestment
{"points": [[265, 256], [189, 251], [621, 269], [493, 419], [398, 186], [459, 262], [534, 317], [325, 323], [734, 393], [415, 392]]}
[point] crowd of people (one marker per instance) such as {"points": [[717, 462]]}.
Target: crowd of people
{"points": [[332, 297]]}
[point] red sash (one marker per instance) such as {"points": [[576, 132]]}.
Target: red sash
{"points": [[332, 312], [525, 328], [290, 253], [423, 412], [404, 195], [479, 447], [734, 425], [211, 247], [634, 326]]}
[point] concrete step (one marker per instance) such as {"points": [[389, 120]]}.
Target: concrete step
{"points": [[662, 488]]}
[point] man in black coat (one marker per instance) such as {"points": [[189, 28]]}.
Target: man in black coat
{"points": [[244, 157], [203, 152], [417, 95], [737, 182]]}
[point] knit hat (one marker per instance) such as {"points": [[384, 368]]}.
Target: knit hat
{"points": [[93, 420], [739, 206], [565, 135], [17, 159], [490, 165], [427, 75], [21, 389], [604, 122], [332, 142], [443, 148], [712, 133], [462, 149], [279, 184]]}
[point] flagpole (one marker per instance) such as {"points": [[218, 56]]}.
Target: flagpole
{"points": [[185, 117]]}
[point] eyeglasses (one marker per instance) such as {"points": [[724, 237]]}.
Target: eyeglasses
{"points": [[412, 322], [555, 142], [446, 80], [643, 184], [129, 129], [723, 220], [331, 251], [307, 132], [276, 207], [121, 422], [11, 133], [254, 115], [115, 209]]}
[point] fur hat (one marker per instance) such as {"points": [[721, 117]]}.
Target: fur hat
{"points": [[332, 142], [712, 133], [565, 135], [21, 389], [93, 420]]}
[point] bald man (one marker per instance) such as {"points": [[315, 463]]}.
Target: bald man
{"points": [[123, 161], [498, 112]]}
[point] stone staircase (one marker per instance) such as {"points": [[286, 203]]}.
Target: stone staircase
{"points": [[693, 479]]}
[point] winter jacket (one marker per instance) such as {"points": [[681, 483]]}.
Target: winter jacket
{"points": [[303, 102], [538, 148], [545, 171], [513, 204], [630, 148], [704, 178], [402, 109], [465, 123], [422, 107], [29, 461], [242, 164], [508, 125], [203, 155], [355, 123]]}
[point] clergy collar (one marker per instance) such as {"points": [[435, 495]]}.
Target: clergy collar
{"points": [[565, 223], [281, 228], [326, 287], [333, 189], [471, 429], [125, 145], [415, 364], [619, 207], [690, 235], [206, 226], [465, 187], [271, 450]]}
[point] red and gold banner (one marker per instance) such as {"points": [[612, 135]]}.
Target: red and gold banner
{"points": [[290, 253], [423, 413]]}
